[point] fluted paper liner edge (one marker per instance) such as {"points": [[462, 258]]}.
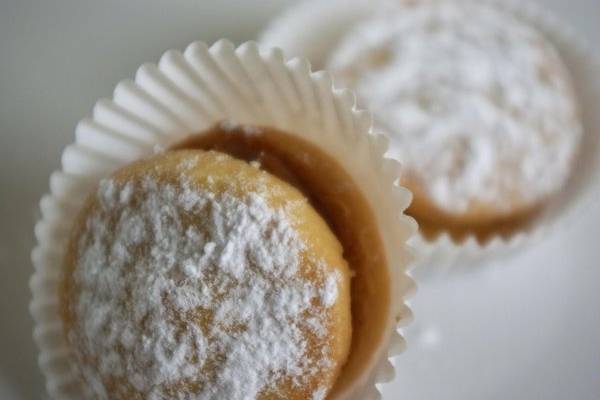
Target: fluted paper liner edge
{"points": [[187, 93]]}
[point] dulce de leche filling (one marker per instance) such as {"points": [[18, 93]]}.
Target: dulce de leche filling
{"points": [[332, 192]]}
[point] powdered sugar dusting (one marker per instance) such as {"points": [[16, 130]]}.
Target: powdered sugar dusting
{"points": [[145, 270], [329, 291], [319, 394], [478, 105], [229, 125]]}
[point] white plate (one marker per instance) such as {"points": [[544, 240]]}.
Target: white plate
{"points": [[528, 329]]}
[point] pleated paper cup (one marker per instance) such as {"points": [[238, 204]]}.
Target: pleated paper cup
{"points": [[329, 21], [187, 93]]}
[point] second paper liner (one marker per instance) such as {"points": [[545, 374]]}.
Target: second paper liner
{"points": [[436, 258]]}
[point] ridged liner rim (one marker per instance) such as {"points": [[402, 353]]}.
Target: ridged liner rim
{"points": [[187, 93]]}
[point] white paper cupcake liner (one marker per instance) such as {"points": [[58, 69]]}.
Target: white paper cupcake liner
{"points": [[328, 21], [187, 93]]}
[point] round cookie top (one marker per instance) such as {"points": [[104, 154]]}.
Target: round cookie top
{"points": [[478, 105], [193, 275]]}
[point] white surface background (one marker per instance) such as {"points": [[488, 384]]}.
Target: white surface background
{"points": [[526, 328]]}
